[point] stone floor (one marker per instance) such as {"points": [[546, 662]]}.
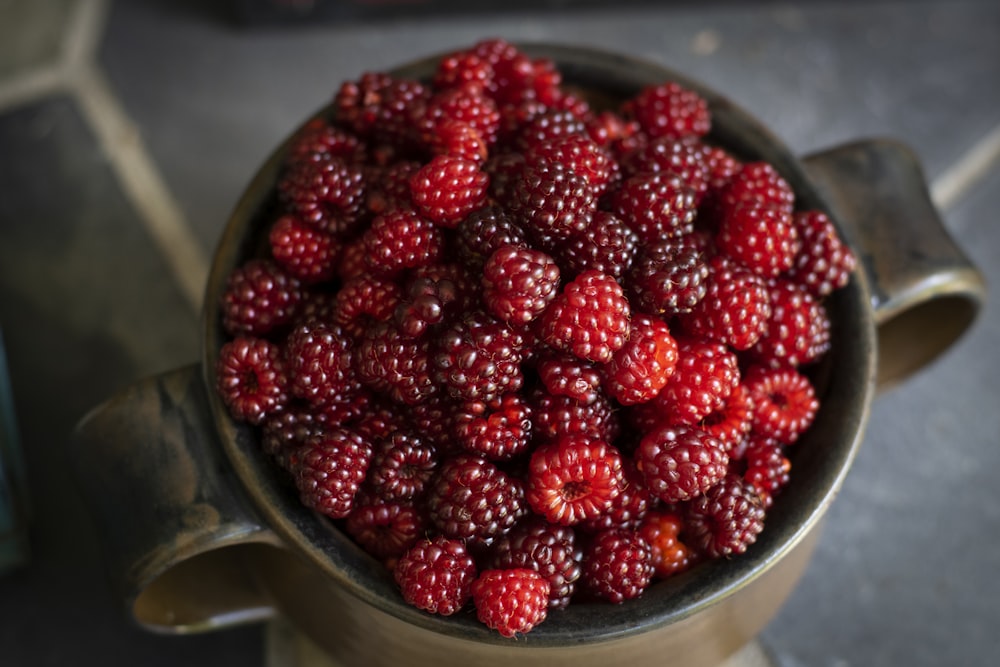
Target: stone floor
{"points": [[128, 129]]}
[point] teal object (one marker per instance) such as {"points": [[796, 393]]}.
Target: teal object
{"points": [[13, 481]]}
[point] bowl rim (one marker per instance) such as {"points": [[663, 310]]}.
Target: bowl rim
{"points": [[833, 441]]}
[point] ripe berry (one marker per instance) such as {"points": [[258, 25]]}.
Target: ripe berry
{"points": [[617, 565], [680, 462], [498, 430], [573, 479], [459, 140], [758, 183], [824, 263], [567, 375], [798, 332], [259, 298], [285, 430], [640, 369], [478, 358], [736, 307], [726, 519], [762, 238], [388, 361], [590, 318], [448, 188], [556, 416], [318, 358], [319, 139], [304, 251], [655, 206], [471, 499], [546, 548], [668, 277], [554, 201], [671, 110], [606, 244], [579, 154], [672, 157], [766, 467], [465, 104], [250, 378], [436, 575], [628, 507], [731, 423], [485, 231], [401, 466], [518, 283], [327, 193], [364, 300], [511, 601], [385, 530], [402, 239], [706, 374], [329, 470], [785, 402]]}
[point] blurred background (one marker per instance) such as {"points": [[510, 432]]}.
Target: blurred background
{"points": [[128, 129]]}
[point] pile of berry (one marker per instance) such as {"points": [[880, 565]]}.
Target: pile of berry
{"points": [[524, 351]]}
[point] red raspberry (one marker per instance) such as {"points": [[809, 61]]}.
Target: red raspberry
{"points": [[498, 430], [557, 416], [402, 239], [259, 298], [478, 358], [318, 358], [661, 530], [455, 286], [389, 186], [725, 520], [824, 263], [758, 183], [434, 419], [670, 110], [640, 369], [785, 402], [329, 470], [554, 202], [385, 530], [460, 68], [315, 306], [573, 479], [617, 565], [504, 170], [680, 462], [464, 104], [567, 375], [655, 206], [390, 362], [422, 308], [485, 231], [766, 467], [706, 374], [545, 548], [668, 277], [798, 331], [628, 507], [326, 192], [401, 466], [606, 244], [352, 259], [318, 139], [284, 431], [590, 318], [511, 601], [518, 283], [607, 128], [470, 498], [762, 238], [448, 188], [382, 108], [721, 165], [736, 307], [250, 378], [579, 154], [459, 140], [674, 158], [731, 423], [436, 575], [363, 301], [547, 126]]}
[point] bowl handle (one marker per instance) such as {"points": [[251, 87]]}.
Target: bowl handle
{"points": [[176, 530], [925, 291]]}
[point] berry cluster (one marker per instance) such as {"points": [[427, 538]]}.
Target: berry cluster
{"points": [[525, 351]]}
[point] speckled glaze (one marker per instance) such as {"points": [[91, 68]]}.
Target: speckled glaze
{"points": [[203, 532]]}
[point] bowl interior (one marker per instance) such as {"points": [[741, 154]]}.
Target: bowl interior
{"points": [[844, 381]]}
